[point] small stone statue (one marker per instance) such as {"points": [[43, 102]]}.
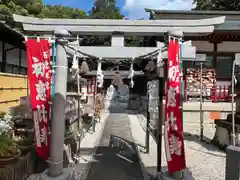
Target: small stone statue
{"points": [[84, 68]]}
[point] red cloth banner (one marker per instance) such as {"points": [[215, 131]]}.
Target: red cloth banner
{"points": [[173, 133], [39, 76]]}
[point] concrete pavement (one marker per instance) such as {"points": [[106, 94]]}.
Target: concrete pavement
{"points": [[115, 156]]}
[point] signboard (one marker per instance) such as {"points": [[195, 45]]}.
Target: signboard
{"points": [[39, 76], [174, 144], [153, 103]]}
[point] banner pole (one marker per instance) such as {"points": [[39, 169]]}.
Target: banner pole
{"points": [[147, 125], [160, 122], [53, 78], [182, 88], [182, 81], [201, 101]]}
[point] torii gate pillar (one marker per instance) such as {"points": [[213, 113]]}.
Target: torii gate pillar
{"points": [[56, 170]]}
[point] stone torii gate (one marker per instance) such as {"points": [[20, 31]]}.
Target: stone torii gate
{"points": [[117, 29]]}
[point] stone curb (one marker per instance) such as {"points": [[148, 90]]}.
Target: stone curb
{"points": [[143, 169], [96, 144]]}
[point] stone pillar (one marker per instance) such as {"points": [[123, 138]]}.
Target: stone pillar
{"points": [[238, 99], [56, 170], [232, 163], [117, 39]]}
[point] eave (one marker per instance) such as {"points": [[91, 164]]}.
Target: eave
{"points": [[11, 36]]}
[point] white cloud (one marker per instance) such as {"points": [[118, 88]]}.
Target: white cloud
{"points": [[135, 8]]}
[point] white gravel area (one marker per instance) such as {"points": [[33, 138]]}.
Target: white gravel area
{"points": [[204, 161]]}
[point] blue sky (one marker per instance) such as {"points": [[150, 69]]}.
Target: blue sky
{"points": [[133, 9], [82, 4]]}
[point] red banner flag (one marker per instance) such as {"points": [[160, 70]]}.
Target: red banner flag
{"points": [[173, 133], [39, 76]]}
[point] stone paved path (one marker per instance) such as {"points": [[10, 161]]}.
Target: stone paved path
{"points": [[116, 157]]}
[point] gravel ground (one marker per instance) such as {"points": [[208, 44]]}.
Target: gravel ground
{"points": [[204, 161]]}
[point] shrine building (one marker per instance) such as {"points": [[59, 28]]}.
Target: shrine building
{"points": [[220, 46]]}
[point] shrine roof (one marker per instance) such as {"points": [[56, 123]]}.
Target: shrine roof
{"points": [[10, 35], [229, 26], [199, 12], [231, 23], [128, 27]]}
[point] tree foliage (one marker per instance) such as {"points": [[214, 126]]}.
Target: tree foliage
{"points": [[62, 12], [21, 7], [102, 9], [224, 5], [36, 8], [107, 9]]}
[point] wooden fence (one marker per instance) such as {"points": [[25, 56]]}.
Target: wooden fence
{"points": [[12, 87]]}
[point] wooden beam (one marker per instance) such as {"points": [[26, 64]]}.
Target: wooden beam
{"points": [[215, 45], [215, 38], [3, 64]]}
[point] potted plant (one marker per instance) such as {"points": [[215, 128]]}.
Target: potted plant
{"points": [[24, 143], [9, 150], [69, 139]]}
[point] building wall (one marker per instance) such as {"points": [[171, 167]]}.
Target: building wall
{"points": [[13, 82], [10, 97], [15, 58], [225, 56], [225, 47]]}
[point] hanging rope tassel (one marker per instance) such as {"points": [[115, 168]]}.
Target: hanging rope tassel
{"points": [[75, 62], [99, 74]]}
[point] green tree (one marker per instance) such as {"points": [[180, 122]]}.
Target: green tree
{"points": [[21, 7], [225, 5], [107, 9], [62, 12], [38, 9], [102, 9]]}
